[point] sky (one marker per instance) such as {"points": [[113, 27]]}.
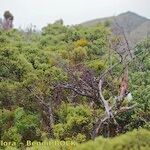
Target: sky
{"points": [[42, 12]]}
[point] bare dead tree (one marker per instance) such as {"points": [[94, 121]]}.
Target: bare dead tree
{"points": [[91, 86]]}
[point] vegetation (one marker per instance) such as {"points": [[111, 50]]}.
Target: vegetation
{"points": [[73, 83]]}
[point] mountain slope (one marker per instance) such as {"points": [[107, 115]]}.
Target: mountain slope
{"points": [[140, 33], [135, 26], [130, 21]]}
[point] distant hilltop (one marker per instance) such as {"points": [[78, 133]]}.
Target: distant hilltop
{"points": [[135, 26]]}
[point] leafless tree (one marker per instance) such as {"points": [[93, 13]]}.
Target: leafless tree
{"points": [[91, 86]]}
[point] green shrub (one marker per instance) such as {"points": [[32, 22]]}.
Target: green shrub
{"points": [[135, 140], [74, 122]]}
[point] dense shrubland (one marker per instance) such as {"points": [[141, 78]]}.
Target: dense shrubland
{"points": [[50, 87]]}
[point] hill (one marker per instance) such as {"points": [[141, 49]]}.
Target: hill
{"points": [[135, 26]]}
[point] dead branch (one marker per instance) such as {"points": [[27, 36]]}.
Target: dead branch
{"points": [[124, 37], [105, 103], [46, 108], [98, 126], [124, 109], [109, 69], [77, 90]]}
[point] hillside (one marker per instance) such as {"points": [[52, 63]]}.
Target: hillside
{"points": [[135, 26]]}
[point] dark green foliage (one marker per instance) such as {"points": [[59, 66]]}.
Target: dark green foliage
{"points": [[18, 125]]}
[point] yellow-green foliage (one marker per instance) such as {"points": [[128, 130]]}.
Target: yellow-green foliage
{"points": [[75, 122], [81, 42], [135, 140], [46, 145], [53, 145], [78, 54], [64, 54], [97, 65]]}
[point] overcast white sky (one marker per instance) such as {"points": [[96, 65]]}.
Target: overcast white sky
{"points": [[42, 12]]}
